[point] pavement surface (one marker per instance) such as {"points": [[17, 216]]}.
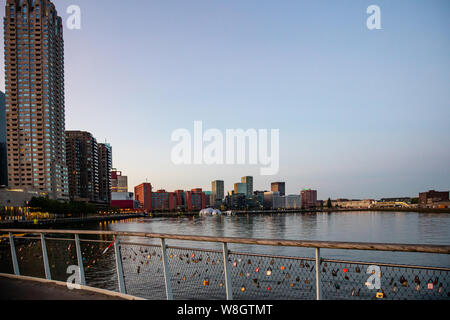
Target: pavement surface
{"points": [[11, 289]]}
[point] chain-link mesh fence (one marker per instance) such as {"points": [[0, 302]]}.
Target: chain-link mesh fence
{"points": [[6, 265], [197, 273]]}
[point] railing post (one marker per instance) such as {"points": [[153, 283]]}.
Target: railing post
{"points": [[48, 274], [226, 269], [80, 260], [14, 255], [318, 288], [119, 267], [166, 270]]}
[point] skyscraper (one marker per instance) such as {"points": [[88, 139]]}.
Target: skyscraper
{"points": [[279, 187], [104, 172], [240, 188], [82, 162], [34, 82], [249, 182], [218, 192], [3, 155]]}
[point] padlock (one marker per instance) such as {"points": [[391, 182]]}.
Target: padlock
{"points": [[206, 282], [430, 285], [380, 295]]}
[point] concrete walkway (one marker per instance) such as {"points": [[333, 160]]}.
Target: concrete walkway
{"points": [[27, 289]]}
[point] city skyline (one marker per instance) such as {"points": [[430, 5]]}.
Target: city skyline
{"points": [[360, 132]]}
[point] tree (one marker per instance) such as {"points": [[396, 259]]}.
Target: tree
{"points": [[329, 203]]}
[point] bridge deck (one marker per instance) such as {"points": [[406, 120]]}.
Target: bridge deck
{"points": [[15, 289]]}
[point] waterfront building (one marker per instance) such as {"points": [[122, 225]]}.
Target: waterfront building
{"points": [[82, 163], [240, 188], [196, 200], [249, 182], [35, 111], [428, 199], [309, 198], [271, 200], [3, 154], [236, 201], [181, 200], [218, 192], [143, 194], [279, 187], [163, 201], [124, 201], [119, 182], [354, 204], [208, 197], [104, 172], [293, 201]]}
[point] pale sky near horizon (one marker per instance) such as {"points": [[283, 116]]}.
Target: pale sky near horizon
{"points": [[362, 114]]}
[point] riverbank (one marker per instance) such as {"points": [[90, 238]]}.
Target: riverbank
{"points": [[66, 221]]}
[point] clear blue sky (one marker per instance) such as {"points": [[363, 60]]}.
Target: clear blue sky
{"points": [[362, 114]]}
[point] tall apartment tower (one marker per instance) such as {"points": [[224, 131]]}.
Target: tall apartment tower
{"points": [[249, 182], [82, 161], [34, 82], [218, 191], [3, 155], [104, 172]]}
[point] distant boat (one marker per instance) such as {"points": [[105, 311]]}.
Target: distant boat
{"points": [[230, 213]]}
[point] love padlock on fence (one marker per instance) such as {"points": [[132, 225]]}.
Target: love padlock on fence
{"points": [[430, 285]]}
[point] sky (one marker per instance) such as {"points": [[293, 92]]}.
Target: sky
{"points": [[362, 113]]}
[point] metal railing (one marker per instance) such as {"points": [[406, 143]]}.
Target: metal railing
{"points": [[159, 271]]}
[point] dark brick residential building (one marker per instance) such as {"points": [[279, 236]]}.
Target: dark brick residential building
{"points": [[82, 161], [428, 198], [309, 199]]}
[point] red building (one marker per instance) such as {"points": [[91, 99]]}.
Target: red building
{"points": [[143, 194], [162, 200], [196, 200], [309, 198]]}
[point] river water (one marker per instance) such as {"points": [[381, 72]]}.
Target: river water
{"points": [[374, 227]]}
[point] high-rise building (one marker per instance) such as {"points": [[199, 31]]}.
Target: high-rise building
{"points": [[240, 188], [3, 155], [119, 182], [34, 82], [309, 198], [218, 192], [249, 182], [143, 194], [279, 187], [104, 172], [82, 162]]}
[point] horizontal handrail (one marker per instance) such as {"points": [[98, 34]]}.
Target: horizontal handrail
{"points": [[439, 249]]}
